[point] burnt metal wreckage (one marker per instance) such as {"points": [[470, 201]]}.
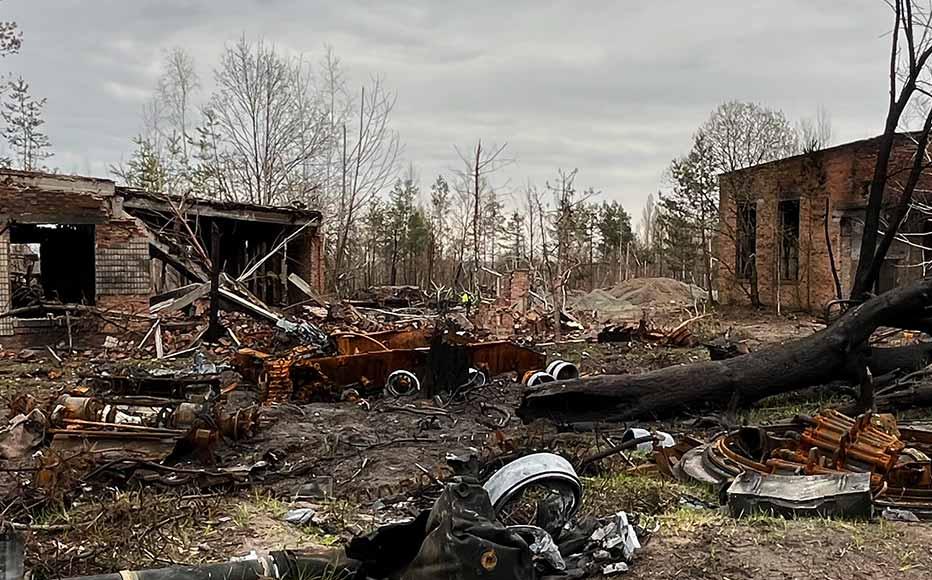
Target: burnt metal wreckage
{"points": [[403, 362], [848, 454]]}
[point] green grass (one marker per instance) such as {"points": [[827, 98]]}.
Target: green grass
{"points": [[784, 407], [647, 495], [265, 501]]}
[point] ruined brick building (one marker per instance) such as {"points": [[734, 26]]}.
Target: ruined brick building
{"points": [[784, 216], [87, 241]]}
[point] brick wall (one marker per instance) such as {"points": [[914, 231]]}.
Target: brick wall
{"points": [[514, 291], [32, 206], [122, 265], [839, 177], [6, 324], [307, 252]]}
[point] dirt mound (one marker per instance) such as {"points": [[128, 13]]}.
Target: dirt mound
{"points": [[629, 300], [657, 292]]}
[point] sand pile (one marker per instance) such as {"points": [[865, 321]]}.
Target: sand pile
{"points": [[630, 299]]}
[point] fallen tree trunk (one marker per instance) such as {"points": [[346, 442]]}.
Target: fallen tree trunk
{"points": [[836, 352]]}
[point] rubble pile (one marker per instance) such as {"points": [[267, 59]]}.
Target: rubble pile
{"points": [[638, 298]]}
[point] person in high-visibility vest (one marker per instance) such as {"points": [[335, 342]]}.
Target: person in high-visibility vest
{"points": [[466, 300]]}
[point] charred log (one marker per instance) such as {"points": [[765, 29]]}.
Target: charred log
{"points": [[823, 357]]}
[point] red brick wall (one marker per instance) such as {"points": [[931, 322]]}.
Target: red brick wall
{"points": [[840, 175], [308, 253], [31, 206]]}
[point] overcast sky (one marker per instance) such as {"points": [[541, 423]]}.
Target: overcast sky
{"points": [[614, 89]]}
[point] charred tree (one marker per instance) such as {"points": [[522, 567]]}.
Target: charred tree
{"points": [[837, 352], [909, 57], [214, 329]]}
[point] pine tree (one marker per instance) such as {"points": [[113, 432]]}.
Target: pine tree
{"points": [[22, 115], [614, 226], [375, 224], [514, 243], [401, 206], [440, 207], [417, 242], [144, 168]]}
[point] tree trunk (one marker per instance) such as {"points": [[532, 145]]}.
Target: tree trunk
{"points": [[707, 263], [818, 359], [214, 329]]}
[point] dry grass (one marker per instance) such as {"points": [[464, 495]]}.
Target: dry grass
{"points": [[132, 529]]}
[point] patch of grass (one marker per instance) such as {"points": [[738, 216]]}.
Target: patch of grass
{"points": [[783, 407], [651, 496], [242, 516], [686, 520], [340, 512], [132, 530], [266, 502]]}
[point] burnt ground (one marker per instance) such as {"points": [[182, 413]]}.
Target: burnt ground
{"points": [[379, 460]]}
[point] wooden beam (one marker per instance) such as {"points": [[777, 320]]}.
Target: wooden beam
{"points": [[283, 216], [303, 286], [179, 303], [186, 268]]}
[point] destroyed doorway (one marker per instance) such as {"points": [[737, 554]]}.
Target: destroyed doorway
{"points": [[244, 244], [51, 263]]}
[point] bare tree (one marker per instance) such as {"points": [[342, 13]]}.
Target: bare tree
{"points": [[563, 191], [269, 120], [531, 202], [474, 178], [439, 219], [909, 86], [742, 134], [368, 160], [332, 87], [175, 92], [815, 134]]}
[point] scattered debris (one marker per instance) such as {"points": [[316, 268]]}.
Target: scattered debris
{"points": [[22, 435], [842, 495], [642, 331], [304, 375], [895, 458]]}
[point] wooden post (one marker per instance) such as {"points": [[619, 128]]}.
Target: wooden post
{"points": [[70, 337], [214, 329], [284, 277]]}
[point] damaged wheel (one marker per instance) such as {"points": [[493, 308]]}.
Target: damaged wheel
{"points": [[562, 370], [540, 489], [402, 383], [537, 378]]}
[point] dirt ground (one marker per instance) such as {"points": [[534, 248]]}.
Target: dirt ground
{"points": [[360, 464]]}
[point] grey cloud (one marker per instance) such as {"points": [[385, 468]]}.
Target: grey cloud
{"points": [[613, 88]]}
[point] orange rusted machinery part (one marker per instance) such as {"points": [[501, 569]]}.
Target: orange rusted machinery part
{"points": [[833, 443], [849, 440], [304, 375], [408, 338], [501, 357]]}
